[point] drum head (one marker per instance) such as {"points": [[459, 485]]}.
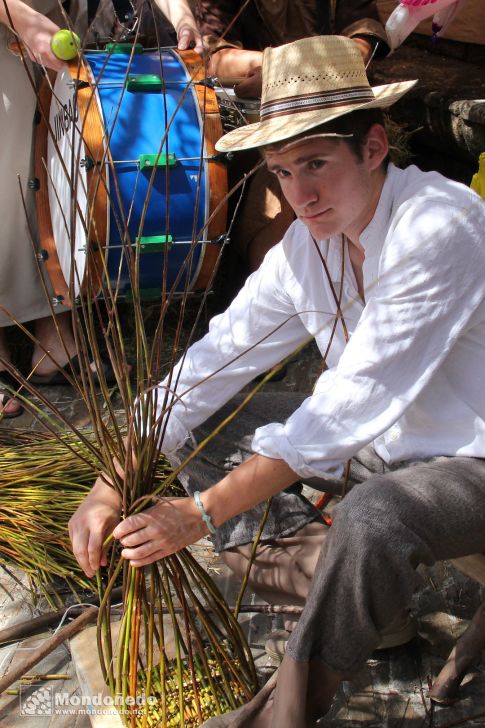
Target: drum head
{"points": [[68, 182], [72, 199]]}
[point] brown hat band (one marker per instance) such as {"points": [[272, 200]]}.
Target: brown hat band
{"points": [[315, 101]]}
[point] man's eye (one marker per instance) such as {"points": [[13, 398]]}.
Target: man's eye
{"points": [[316, 164], [282, 173]]}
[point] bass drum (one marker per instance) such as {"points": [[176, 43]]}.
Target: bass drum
{"points": [[130, 191]]}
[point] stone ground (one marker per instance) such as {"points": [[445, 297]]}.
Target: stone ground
{"points": [[391, 691]]}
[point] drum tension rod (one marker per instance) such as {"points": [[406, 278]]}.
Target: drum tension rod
{"points": [[222, 156], [165, 84], [220, 239], [147, 247]]}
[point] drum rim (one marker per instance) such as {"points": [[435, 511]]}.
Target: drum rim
{"points": [[97, 194]]}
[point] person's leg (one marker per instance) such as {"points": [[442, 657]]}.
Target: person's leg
{"points": [[271, 233], [56, 353], [381, 532], [56, 337], [282, 569]]}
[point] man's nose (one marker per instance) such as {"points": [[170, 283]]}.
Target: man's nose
{"points": [[305, 194]]}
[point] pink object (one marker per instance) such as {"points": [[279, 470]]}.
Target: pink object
{"points": [[409, 13]]}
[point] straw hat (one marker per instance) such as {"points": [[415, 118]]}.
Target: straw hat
{"points": [[307, 83]]}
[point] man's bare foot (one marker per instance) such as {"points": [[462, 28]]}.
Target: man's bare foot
{"points": [[465, 653], [304, 693]]}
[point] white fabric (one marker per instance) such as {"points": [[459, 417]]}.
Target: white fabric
{"points": [[411, 377]]}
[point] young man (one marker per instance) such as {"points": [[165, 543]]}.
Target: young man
{"points": [[384, 267]]}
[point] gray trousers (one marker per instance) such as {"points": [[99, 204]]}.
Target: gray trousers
{"points": [[366, 572], [389, 523], [382, 530]]}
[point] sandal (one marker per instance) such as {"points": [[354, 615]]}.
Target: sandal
{"points": [[73, 367], [7, 383]]}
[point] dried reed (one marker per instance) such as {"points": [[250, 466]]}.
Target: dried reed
{"points": [[208, 668]]}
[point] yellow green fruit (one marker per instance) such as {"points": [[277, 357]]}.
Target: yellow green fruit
{"points": [[65, 44]]}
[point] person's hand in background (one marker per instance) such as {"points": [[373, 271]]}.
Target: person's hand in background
{"points": [[34, 30]]}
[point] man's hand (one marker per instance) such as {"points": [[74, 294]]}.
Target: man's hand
{"points": [[92, 523], [179, 13], [36, 38], [167, 527], [251, 87], [188, 36]]}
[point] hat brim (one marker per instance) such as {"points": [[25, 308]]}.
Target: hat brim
{"points": [[278, 129]]}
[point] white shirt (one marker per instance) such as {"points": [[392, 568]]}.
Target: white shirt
{"points": [[411, 378]]}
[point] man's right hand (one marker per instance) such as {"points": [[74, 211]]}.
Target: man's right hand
{"points": [[92, 523], [34, 30]]}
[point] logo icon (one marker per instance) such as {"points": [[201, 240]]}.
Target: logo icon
{"points": [[36, 700]]}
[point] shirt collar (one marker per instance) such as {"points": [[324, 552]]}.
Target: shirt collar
{"points": [[373, 236]]}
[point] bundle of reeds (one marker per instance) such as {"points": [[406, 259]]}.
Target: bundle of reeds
{"points": [[209, 669], [43, 480]]}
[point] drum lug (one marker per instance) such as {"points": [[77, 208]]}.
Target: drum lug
{"points": [[220, 239], [126, 49], [88, 163], [223, 157], [210, 82], [34, 184], [78, 84], [42, 255], [148, 82], [148, 161], [57, 300]]}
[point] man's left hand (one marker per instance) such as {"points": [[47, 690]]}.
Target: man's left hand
{"points": [[165, 528], [188, 36]]}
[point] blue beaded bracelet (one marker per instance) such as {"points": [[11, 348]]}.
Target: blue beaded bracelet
{"points": [[205, 516]]}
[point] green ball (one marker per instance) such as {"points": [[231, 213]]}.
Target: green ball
{"points": [[65, 44]]}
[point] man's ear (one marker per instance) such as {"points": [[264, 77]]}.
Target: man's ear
{"points": [[376, 146]]}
